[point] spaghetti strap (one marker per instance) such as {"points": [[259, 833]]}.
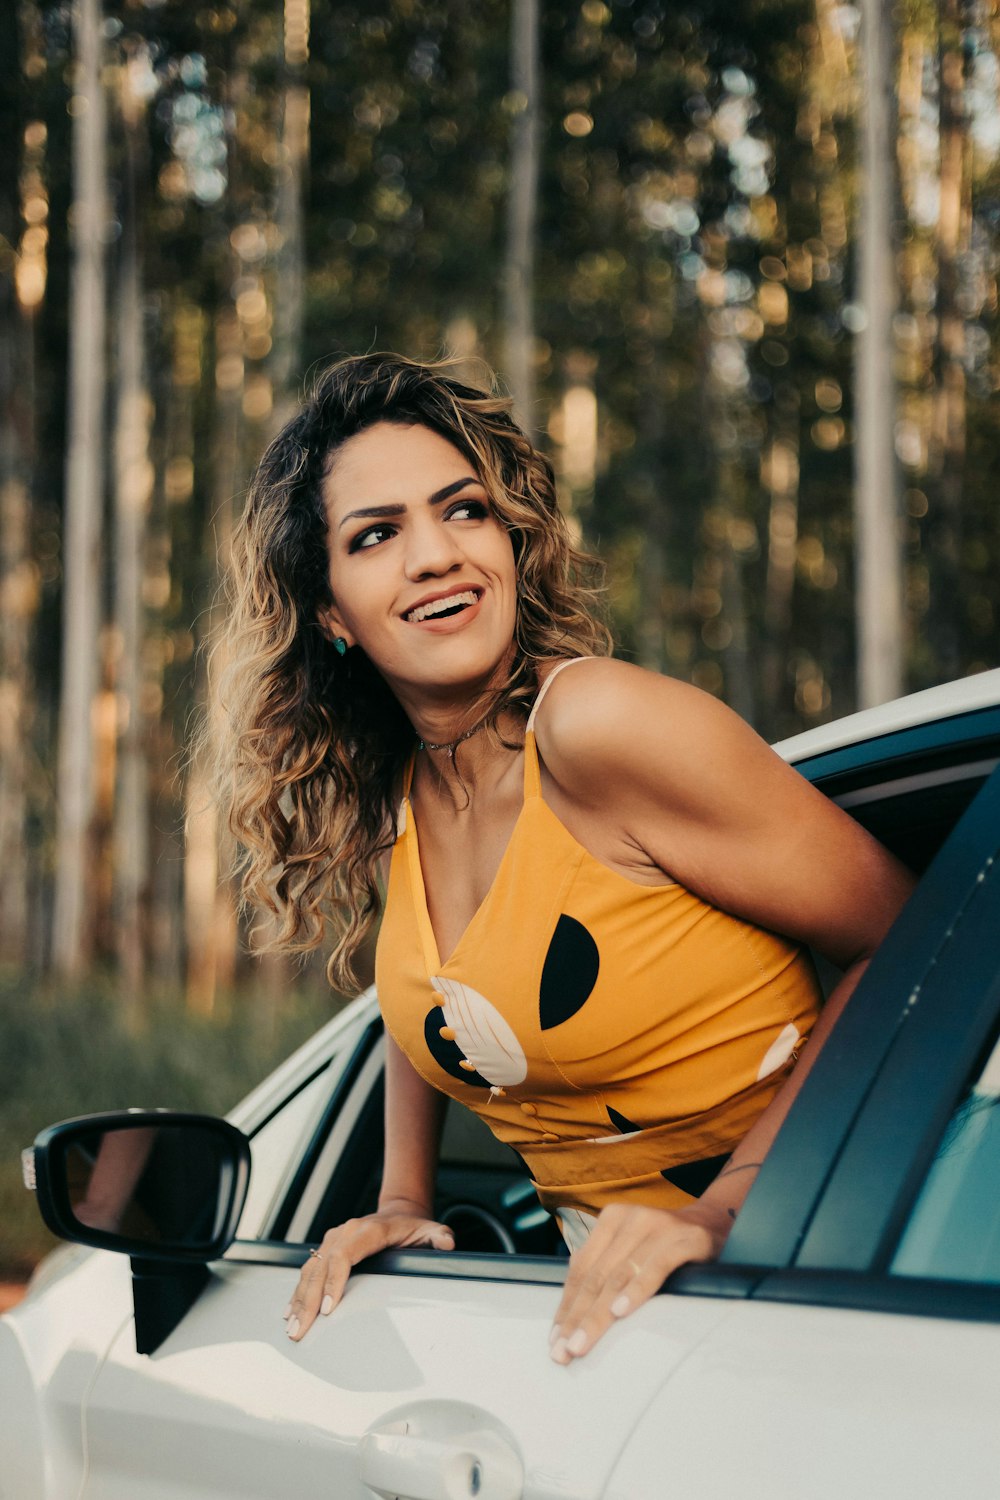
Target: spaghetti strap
{"points": [[572, 662], [532, 773]]}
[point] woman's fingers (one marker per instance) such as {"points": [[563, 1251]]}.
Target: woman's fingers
{"points": [[325, 1273], [624, 1263], [599, 1269]]}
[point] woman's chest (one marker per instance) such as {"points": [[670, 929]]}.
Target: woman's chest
{"points": [[458, 860], [536, 970]]}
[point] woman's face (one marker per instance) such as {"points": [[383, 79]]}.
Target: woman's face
{"points": [[421, 571]]}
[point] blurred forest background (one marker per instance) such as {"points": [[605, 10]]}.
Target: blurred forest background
{"points": [[737, 264]]}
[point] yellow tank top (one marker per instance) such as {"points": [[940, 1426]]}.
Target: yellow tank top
{"points": [[622, 1038]]}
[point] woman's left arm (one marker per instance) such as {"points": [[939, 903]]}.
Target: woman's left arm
{"points": [[691, 789]]}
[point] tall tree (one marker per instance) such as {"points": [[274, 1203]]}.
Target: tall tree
{"points": [[133, 483], [948, 435], [19, 298], [293, 160], [878, 555], [519, 274], [84, 495]]}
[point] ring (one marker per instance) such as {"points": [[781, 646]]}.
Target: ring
{"points": [[636, 1270], [315, 1253]]}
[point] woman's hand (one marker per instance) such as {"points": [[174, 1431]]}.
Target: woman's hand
{"points": [[324, 1275], [630, 1253]]}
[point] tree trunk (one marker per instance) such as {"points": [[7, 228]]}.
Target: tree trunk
{"points": [[83, 503], [878, 582], [522, 204], [133, 488], [780, 474], [18, 574], [292, 167], [947, 456], [210, 924]]}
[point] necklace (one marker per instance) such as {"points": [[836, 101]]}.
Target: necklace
{"points": [[452, 745]]}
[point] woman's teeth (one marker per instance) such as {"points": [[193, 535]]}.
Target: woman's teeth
{"points": [[441, 606]]}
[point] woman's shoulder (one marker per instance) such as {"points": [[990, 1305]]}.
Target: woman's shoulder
{"points": [[589, 699], [605, 712]]}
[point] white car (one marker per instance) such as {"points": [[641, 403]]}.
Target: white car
{"points": [[846, 1345]]}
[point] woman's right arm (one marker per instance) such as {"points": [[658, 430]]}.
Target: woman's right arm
{"points": [[414, 1112]]}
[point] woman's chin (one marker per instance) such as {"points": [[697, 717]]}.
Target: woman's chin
{"points": [[452, 665]]}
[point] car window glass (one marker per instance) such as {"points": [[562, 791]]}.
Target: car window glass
{"points": [[954, 1230], [273, 1148]]}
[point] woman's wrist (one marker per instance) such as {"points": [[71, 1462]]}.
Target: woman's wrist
{"points": [[400, 1205], [716, 1219]]}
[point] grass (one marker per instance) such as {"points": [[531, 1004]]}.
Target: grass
{"points": [[65, 1054]]}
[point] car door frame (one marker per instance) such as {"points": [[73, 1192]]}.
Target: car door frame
{"points": [[865, 1128]]}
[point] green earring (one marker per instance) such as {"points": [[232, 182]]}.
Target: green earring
{"points": [[340, 645]]}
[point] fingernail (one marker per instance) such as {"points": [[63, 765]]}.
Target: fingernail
{"points": [[287, 1312], [558, 1352], [293, 1328], [620, 1306], [578, 1342], [554, 1334], [326, 1306]]}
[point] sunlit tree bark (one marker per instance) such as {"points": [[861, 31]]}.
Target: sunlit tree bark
{"points": [[878, 583], [292, 166], [519, 271], [133, 482], [83, 500], [18, 576], [948, 438]]}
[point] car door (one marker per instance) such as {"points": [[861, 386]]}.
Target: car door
{"points": [[382, 1397], [869, 1363]]}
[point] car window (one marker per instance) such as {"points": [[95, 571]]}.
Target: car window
{"points": [[913, 814], [954, 1229], [274, 1146]]}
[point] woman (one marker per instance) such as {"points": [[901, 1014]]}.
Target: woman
{"points": [[588, 866]]}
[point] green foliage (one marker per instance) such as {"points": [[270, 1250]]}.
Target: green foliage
{"points": [[69, 1054]]}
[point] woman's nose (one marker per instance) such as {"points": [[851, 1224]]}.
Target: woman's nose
{"points": [[431, 547]]}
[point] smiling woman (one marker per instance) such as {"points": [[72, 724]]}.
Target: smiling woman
{"points": [[312, 743], [600, 884]]}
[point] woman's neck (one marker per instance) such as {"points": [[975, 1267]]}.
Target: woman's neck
{"points": [[464, 769]]}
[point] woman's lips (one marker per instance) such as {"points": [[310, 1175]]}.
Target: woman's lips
{"points": [[446, 624]]}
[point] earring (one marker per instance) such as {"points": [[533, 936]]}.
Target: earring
{"points": [[340, 645]]}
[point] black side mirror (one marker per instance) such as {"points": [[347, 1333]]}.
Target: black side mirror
{"points": [[163, 1187], [150, 1183]]}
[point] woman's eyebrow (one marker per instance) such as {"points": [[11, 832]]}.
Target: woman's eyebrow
{"points": [[399, 510]]}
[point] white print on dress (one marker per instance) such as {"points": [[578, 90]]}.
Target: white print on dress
{"points": [[779, 1052], [482, 1034]]}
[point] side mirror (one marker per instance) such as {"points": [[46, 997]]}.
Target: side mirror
{"points": [[163, 1187], [150, 1183]]}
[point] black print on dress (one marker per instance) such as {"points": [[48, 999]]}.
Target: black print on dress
{"points": [[447, 1054], [695, 1176], [569, 973], [621, 1123]]}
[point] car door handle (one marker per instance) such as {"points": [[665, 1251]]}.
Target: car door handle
{"points": [[472, 1466]]}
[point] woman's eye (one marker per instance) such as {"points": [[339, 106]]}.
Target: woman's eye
{"points": [[370, 537], [469, 510]]}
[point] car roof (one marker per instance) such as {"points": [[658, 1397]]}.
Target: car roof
{"points": [[982, 690]]}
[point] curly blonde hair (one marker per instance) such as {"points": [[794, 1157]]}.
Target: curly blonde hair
{"points": [[310, 747]]}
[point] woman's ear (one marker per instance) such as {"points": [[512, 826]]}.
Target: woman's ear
{"points": [[334, 629]]}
